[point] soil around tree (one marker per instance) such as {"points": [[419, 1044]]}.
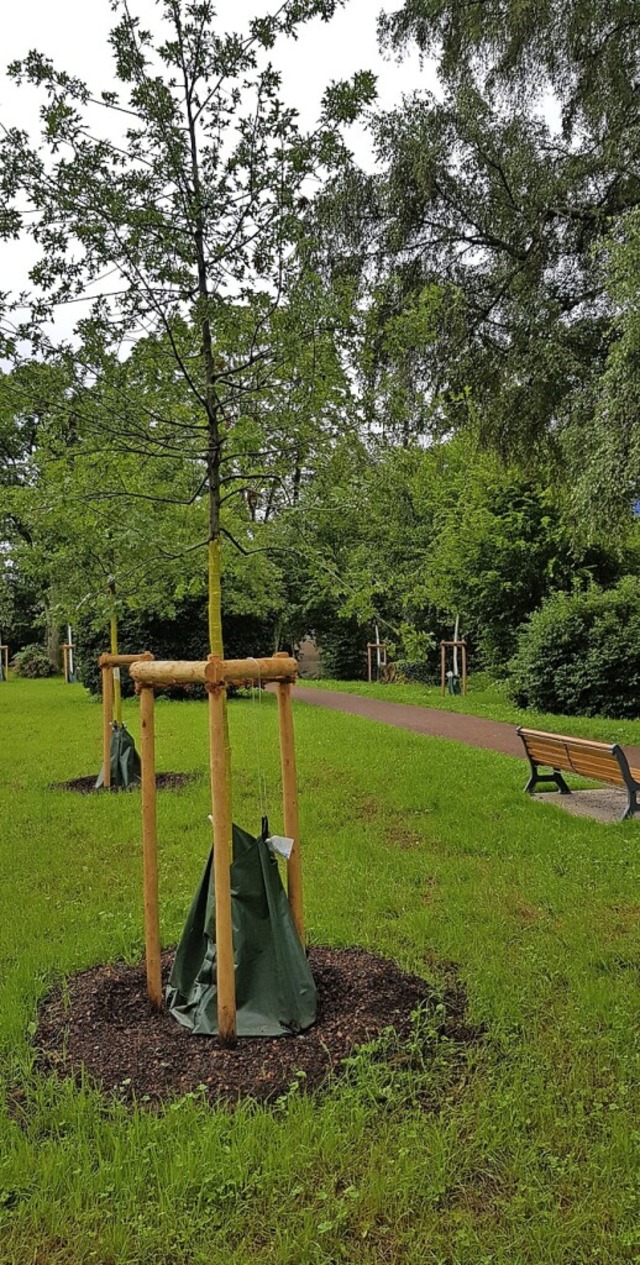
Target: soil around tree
{"points": [[87, 785], [102, 1024]]}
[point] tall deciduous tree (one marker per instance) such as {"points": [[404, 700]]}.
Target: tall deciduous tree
{"points": [[493, 201], [586, 51], [606, 457], [180, 218]]}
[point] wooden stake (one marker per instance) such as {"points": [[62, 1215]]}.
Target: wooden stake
{"points": [[464, 667], [442, 668], [106, 727], [5, 652], [212, 671], [150, 849], [117, 694], [65, 654], [290, 805], [124, 660], [222, 842]]}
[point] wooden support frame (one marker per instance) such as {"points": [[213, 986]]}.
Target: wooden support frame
{"points": [[216, 674], [371, 646], [66, 648], [290, 802], [453, 645], [107, 712], [106, 663], [4, 650], [150, 848]]}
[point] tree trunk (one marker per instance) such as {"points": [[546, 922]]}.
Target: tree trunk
{"points": [[53, 641], [215, 598]]}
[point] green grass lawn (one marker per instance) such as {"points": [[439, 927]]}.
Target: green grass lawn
{"points": [[488, 699], [523, 1147]]}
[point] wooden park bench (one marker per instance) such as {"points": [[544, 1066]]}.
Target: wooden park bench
{"points": [[596, 760]]}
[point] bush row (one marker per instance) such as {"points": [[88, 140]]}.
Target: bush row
{"points": [[579, 654], [186, 636]]}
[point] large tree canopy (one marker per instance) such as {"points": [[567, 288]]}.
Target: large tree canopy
{"points": [[479, 244], [587, 51]]}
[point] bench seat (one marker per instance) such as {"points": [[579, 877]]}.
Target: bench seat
{"points": [[598, 761]]}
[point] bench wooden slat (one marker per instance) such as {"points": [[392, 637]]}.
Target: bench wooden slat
{"points": [[599, 770], [566, 739], [545, 753]]}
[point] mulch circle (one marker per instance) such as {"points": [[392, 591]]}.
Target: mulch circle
{"points": [[87, 785], [104, 1025]]}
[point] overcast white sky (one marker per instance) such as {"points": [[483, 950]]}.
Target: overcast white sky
{"points": [[74, 34]]}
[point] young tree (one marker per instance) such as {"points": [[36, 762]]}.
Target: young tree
{"points": [[182, 224]]}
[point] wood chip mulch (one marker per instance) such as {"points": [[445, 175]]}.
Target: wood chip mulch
{"points": [[87, 785], [103, 1023]]}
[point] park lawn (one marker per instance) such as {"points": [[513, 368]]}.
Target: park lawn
{"points": [[489, 700], [521, 1146]]}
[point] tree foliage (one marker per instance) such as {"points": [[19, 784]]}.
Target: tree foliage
{"points": [[185, 230], [488, 219], [580, 653]]}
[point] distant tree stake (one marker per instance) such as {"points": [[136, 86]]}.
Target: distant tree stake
{"points": [[455, 645]]}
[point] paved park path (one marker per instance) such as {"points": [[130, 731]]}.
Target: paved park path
{"points": [[475, 731]]}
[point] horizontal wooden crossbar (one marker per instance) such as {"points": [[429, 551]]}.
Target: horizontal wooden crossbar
{"points": [[215, 671], [124, 660]]}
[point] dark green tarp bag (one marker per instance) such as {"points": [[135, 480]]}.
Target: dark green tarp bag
{"points": [[275, 992], [453, 683], [125, 761]]}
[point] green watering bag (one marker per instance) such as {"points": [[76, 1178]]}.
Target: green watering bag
{"points": [[275, 991], [125, 761]]}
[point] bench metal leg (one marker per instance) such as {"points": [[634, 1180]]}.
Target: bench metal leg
{"points": [[632, 805], [555, 777], [560, 782]]}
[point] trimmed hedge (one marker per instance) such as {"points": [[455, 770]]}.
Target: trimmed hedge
{"points": [[579, 654], [410, 672]]}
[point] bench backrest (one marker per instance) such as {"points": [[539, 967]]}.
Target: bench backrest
{"points": [[597, 760]]}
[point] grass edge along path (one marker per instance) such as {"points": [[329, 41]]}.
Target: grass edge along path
{"points": [[525, 1150], [488, 701]]}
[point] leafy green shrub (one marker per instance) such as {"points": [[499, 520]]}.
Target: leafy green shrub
{"points": [[343, 646], [409, 672], [579, 654], [184, 636], [33, 662]]}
